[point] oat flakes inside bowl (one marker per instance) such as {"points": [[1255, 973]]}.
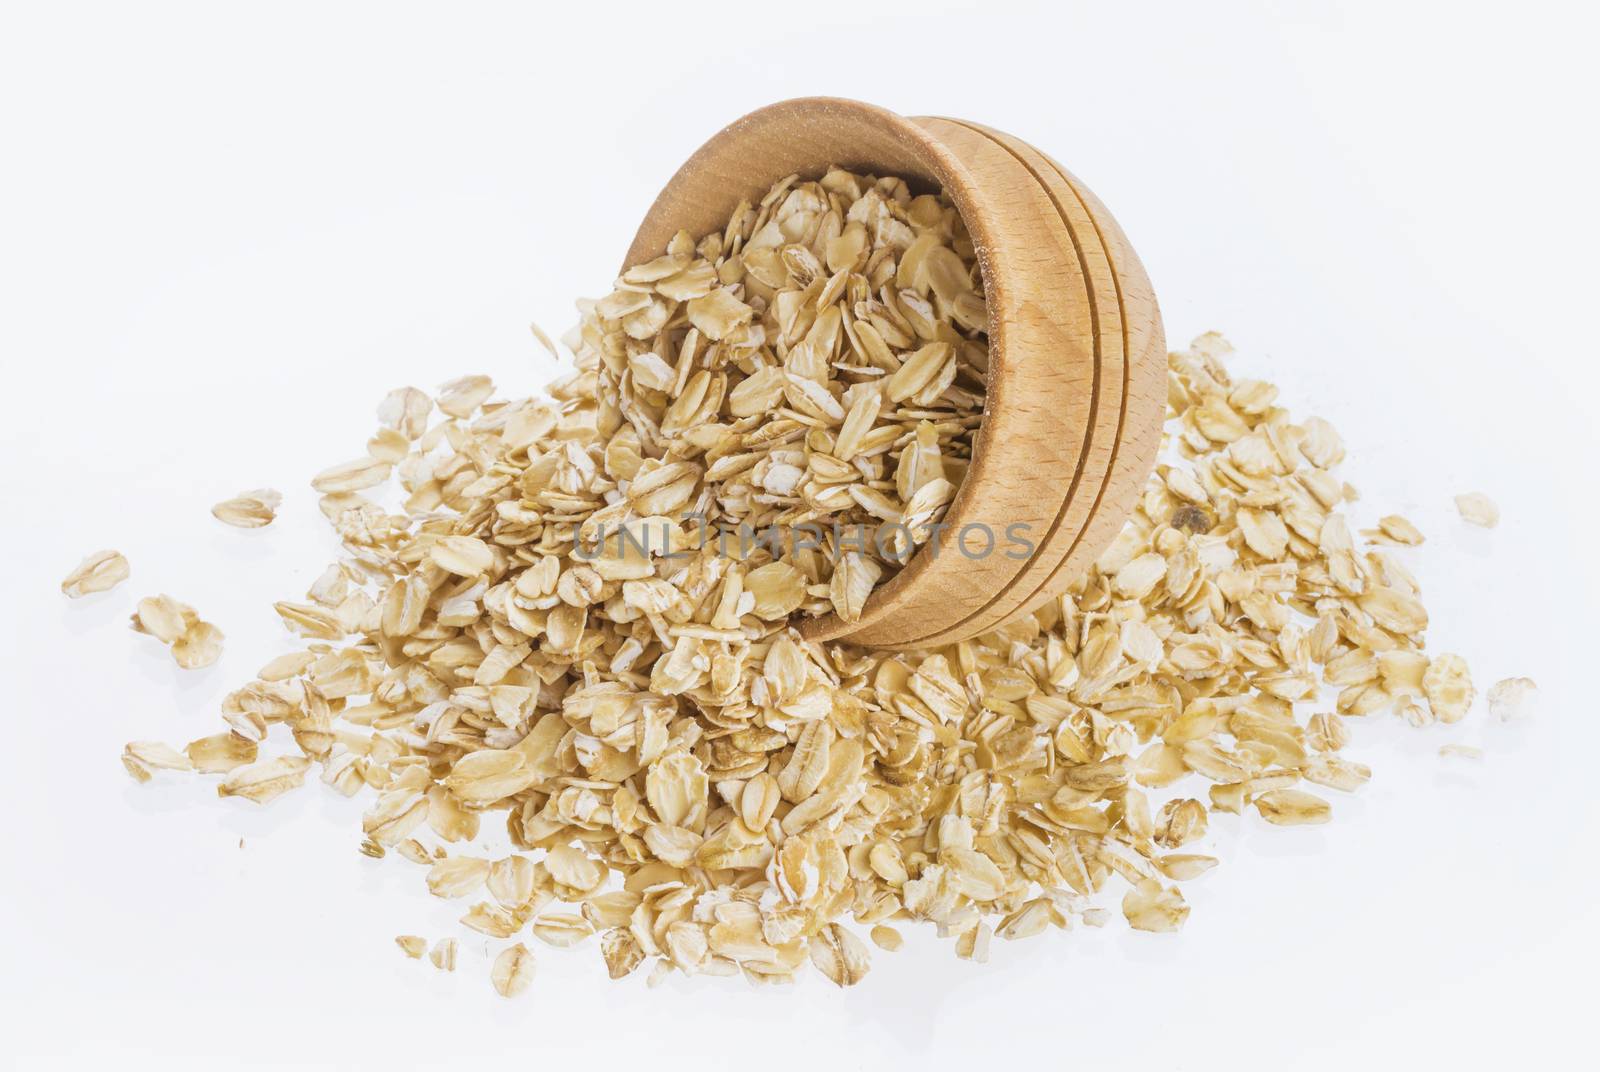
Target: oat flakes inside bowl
{"points": [[800, 392]]}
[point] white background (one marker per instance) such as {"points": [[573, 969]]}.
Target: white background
{"points": [[229, 229]]}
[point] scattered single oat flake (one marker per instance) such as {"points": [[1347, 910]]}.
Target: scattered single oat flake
{"points": [[460, 398], [1476, 508], [265, 780], [1292, 807], [198, 647], [839, 955], [221, 752], [1150, 906], [1460, 751], [1398, 530], [1447, 684], [544, 340], [1508, 698], [249, 509], [405, 410], [352, 476], [973, 943], [141, 758], [886, 938], [513, 971], [412, 945], [99, 572], [443, 954]]}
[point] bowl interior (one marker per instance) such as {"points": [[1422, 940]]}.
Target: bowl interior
{"points": [[805, 137]]}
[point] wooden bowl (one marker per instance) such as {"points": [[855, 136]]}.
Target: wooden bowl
{"points": [[1077, 361]]}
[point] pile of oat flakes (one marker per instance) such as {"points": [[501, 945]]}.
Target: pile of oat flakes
{"points": [[684, 778]]}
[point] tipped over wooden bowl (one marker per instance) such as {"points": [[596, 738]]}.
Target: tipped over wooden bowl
{"points": [[1077, 361]]}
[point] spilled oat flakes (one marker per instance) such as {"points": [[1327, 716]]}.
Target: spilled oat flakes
{"points": [[687, 783]]}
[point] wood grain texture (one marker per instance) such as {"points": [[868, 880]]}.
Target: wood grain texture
{"points": [[1077, 367]]}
